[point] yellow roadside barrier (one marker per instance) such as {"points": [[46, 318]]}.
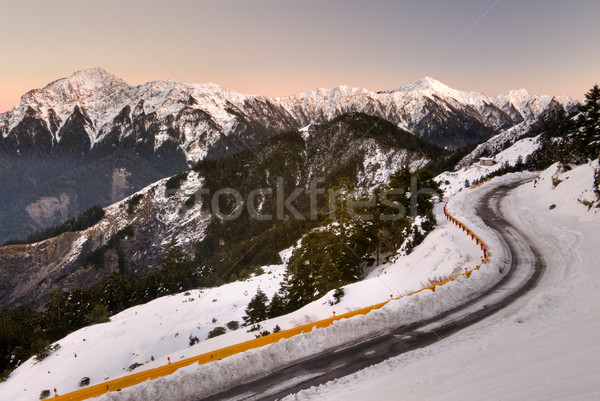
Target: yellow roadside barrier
{"points": [[150, 374], [136, 378]]}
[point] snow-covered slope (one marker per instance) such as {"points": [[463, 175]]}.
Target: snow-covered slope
{"points": [[149, 334], [469, 173], [543, 347], [31, 271], [496, 144]]}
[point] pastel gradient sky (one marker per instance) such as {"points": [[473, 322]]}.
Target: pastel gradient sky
{"points": [[278, 48]]}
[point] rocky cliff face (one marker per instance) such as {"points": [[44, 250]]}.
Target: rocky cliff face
{"points": [[30, 270]]}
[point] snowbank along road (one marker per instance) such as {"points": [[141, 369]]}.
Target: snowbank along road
{"points": [[520, 272]]}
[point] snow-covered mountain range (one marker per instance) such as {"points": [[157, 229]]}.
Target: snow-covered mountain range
{"points": [[195, 116], [429, 109], [92, 138]]}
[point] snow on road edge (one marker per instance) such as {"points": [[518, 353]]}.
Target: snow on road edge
{"points": [[542, 347], [202, 380]]}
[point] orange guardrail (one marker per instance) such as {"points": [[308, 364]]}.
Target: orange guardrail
{"points": [[480, 184], [136, 378], [150, 374]]}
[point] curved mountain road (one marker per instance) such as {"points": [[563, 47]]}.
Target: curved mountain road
{"points": [[526, 267]]}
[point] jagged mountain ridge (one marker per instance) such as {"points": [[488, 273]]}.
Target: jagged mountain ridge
{"points": [[80, 140], [429, 109], [110, 111], [108, 102]]}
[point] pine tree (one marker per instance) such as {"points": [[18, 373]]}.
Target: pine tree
{"points": [[297, 288], [589, 124], [175, 264], [99, 314], [174, 258], [426, 188], [329, 275], [115, 292], [338, 198], [257, 309], [276, 307]]}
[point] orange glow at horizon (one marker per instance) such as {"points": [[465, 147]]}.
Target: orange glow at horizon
{"points": [[11, 96], [277, 49]]}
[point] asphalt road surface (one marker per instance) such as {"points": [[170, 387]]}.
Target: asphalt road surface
{"points": [[525, 268]]}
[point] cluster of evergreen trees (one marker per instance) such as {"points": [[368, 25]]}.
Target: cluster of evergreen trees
{"points": [[24, 332], [571, 138], [174, 183], [260, 308], [356, 233], [353, 237], [585, 139]]}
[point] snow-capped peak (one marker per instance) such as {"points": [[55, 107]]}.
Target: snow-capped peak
{"points": [[424, 84], [90, 77], [95, 90], [529, 105], [80, 86], [431, 88], [515, 96]]}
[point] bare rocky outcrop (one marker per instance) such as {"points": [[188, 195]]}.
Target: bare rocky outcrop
{"points": [[50, 210]]}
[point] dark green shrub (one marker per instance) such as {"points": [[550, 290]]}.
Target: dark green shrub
{"points": [[217, 331], [233, 325], [174, 183], [133, 202]]}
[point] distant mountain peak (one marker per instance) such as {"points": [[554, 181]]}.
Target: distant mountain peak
{"points": [[91, 79], [94, 73], [431, 83], [425, 84], [81, 86]]}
